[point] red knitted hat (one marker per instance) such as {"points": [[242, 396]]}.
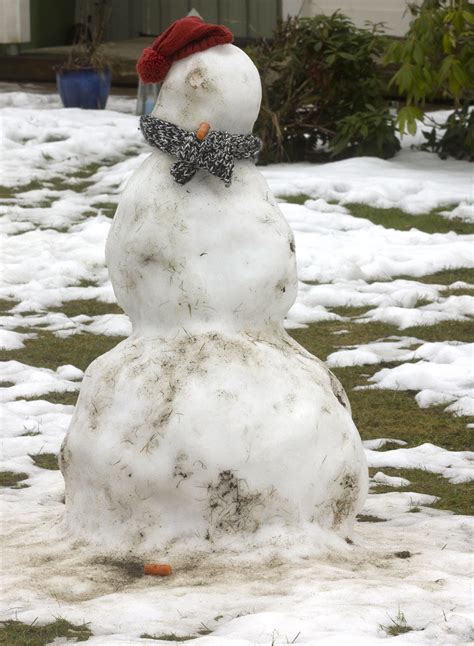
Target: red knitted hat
{"points": [[183, 38]]}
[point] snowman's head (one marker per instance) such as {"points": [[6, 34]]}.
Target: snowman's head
{"points": [[220, 86]]}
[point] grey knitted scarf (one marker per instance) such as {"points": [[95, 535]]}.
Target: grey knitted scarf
{"points": [[215, 153]]}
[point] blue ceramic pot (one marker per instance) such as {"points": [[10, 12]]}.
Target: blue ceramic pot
{"points": [[84, 88]]}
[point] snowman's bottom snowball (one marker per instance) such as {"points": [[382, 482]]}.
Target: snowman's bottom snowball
{"points": [[209, 435]]}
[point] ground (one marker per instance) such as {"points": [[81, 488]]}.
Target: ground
{"points": [[386, 297]]}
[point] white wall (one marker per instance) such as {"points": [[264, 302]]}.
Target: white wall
{"points": [[14, 21], [391, 12]]}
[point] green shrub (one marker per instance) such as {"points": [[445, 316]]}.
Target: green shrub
{"points": [[322, 90], [455, 138], [436, 59], [366, 133]]}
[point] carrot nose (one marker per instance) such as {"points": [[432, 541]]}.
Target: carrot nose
{"points": [[202, 131]]}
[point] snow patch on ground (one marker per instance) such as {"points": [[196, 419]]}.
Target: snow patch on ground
{"points": [[456, 466], [30, 382], [13, 340], [442, 373], [381, 478], [387, 350], [415, 182]]}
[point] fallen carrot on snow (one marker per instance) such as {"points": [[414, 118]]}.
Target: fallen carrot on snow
{"points": [[157, 569]]}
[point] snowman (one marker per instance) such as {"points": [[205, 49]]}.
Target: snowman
{"points": [[209, 419]]}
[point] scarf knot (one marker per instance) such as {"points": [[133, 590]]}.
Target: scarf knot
{"points": [[215, 153]]}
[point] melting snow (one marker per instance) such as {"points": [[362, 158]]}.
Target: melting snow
{"points": [[326, 594]]}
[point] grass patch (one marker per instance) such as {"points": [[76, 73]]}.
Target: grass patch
{"points": [[458, 498], [172, 637], [53, 138], [395, 414], [462, 291], [388, 413], [13, 480], [349, 311], [66, 399], [6, 305], [90, 307], [297, 199], [50, 351], [398, 626], [6, 384], [85, 282], [319, 338], [47, 461], [394, 218], [77, 181], [108, 208], [10, 192], [16, 633], [69, 183], [446, 277], [444, 331], [324, 337], [367, 518], [169, 637]]}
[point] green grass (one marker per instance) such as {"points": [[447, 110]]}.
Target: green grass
{"points": [[444, 331], [349, 311], [78, 181], [52, 138], [394, 218], [50, 351], [321, 339], [47, 461], [395, 414], [446, 277], [10, 192], [297, 199], [6, 305], [172, 637], [66, 399], [169, 637], [90, 307], [13, 480], [367, 518], [458, 498], [17, 633], [462, 291], [397, 626], [107, 208]]}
